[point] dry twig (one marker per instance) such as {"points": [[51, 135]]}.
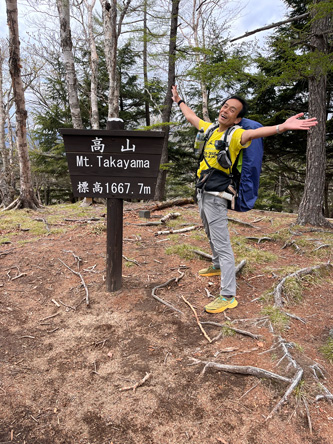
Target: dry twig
{"points": [[181, 230], [196, 317], [138, 384], [236, 330], [82, 280], [176, 279]]}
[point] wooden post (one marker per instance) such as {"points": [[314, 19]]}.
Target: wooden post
{"points": [[114, 244], [114, 230]]}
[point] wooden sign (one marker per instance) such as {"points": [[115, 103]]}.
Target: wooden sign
{"points": [[113, 163]]}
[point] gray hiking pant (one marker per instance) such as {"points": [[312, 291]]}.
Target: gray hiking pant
{"points": [[213, 212]]}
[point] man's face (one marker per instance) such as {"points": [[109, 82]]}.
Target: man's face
{"points": [[229, 112]]}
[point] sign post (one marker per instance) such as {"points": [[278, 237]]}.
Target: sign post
{"points": [[114, 164]]}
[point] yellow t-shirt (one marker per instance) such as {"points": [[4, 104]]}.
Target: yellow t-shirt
{"points": [[210, 152]]}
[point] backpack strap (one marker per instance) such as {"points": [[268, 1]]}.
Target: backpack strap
{"points": [[226, 138]]}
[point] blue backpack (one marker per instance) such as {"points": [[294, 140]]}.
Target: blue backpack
{"points": [[249, 163], [246, 170]]}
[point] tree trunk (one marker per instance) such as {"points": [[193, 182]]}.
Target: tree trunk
{"points": [[94, 120], [66, 46], [312, 204], [110, 45], [5, 195], [160, 185], [145, 63], [200, 61], [27, 198]]}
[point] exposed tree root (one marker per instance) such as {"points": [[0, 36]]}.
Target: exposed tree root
{"points": [[240, 222], [241, 369], [236, 330], [278, 298], [20, 202], [176, 279]]}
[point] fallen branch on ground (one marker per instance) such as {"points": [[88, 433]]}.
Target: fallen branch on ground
{"points": [[50, 317], [82, 281], [4, 253], [259, 239], [182, 230], [169, 216], [202, 254], [246, 224], [172, 203], [236, 330], [41, 219], [176, 279], [131, 260], [198, 322], [18, 275], [138, 384], [240, 266], [210, 257]]}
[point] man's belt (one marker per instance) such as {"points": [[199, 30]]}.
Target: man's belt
{"points": [[230, 195]]}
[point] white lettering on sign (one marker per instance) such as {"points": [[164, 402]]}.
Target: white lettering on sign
{"points": [[82, 161], [122, 163], [128, 148], [83, 187], [97, 187], [97, 145]]}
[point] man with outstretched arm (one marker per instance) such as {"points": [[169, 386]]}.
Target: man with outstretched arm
{"points": [[213, 209]]}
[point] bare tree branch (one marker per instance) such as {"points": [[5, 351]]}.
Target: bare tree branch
{"points": [[273, 25]]}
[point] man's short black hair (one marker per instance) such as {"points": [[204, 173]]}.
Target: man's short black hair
{"points": [[244, 110]]}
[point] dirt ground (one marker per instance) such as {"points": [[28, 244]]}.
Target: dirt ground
{"points": [[125, 369]]}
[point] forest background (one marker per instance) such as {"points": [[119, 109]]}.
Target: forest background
{"points": [[84, 62]]}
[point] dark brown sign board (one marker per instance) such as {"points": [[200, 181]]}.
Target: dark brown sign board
{"points": [[114, 164]]}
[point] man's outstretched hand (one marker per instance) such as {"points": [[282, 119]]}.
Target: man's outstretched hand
{"points": [[175, 96], [295, 123]]}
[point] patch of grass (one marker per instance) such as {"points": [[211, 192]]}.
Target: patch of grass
{"points": [[227, 331], [98, 229], [14, 221], [252, 255], [175, 223], [293, 288], [299, 347], [182, 250], [327, 350], [300, 390], [129, 264], [198, 236], [5, 240], [267, 296], [279, 320]]}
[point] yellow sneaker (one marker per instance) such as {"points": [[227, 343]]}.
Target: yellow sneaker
{"points": [[220, 304], [210, 271]]}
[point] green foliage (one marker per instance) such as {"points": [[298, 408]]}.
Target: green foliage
{"points": [[327, 350], [279, 320], [293, 289], [182, 250], [227, 330], [243, 250]]}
